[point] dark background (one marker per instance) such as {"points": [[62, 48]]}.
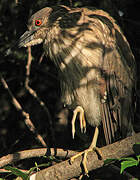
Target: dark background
{"points": [[14, 134]]}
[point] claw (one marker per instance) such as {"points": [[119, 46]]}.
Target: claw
{"points": [[73, 123], [80, 110], [73, 131]]}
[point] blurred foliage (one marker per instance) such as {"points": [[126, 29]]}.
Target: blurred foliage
{"points": [[14, 135]]}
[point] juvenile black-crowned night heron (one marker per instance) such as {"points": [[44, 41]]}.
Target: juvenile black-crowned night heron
{"points": [[95, 64]]}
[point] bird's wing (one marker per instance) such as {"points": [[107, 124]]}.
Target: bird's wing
{"points": [[119, 71], [92, 39]]}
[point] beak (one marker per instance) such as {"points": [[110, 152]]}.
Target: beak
{"points": [[26, 38], [24, 41]]}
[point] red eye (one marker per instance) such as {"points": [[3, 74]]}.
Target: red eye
{"points": [[38, 22]]}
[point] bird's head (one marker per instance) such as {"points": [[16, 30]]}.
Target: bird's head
{"points": [[39, 25]]}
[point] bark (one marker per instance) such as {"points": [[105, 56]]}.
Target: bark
{"points": [[11, 158], [65, 170]]}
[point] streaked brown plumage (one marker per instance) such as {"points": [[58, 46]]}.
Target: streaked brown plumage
{"points": [[95, 63]]}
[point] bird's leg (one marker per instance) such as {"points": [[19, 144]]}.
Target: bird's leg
{"points": [[92, 147], [85, 152], [79, 110]]}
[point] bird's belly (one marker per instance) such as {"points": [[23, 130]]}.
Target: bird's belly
{"points": [[88, 99]]}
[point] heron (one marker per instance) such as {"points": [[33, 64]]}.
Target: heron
{"points": [[96, 68]]}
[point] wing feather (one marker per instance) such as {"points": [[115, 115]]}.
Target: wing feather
{"points": [[93, 52]]}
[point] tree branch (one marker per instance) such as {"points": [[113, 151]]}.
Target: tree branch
{"points": [[11, 158], [64, 170], [26, 115], [34, 94]]}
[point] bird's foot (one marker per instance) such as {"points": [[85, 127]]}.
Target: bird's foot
{"points": [[79, 110], [85, 153]]}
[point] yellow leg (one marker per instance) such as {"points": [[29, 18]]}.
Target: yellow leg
{"points": [[79, 110], [85, 152]]}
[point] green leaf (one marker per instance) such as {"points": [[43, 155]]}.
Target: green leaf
{"points": [[108, 161], [78, 3], [17, 172], [129, 163]]}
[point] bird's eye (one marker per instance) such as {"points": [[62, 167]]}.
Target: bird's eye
{"points": [[38, 22]]}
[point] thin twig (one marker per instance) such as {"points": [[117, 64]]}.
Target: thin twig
{"points": [[34, 94], [41, 57], [28, 67], [26, 115]]}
